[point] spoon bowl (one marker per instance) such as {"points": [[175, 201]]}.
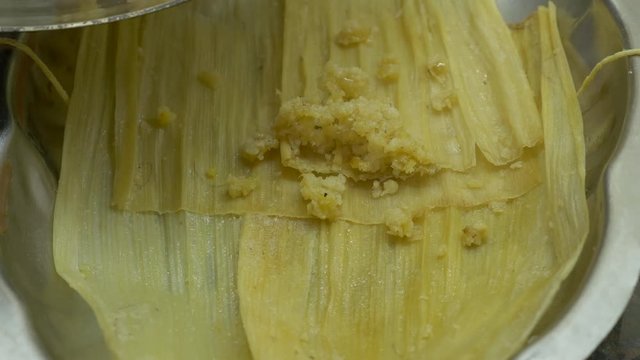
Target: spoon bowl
{"points": [[36, 15]]}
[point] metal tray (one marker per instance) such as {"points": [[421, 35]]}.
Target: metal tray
{"points": [[42, 317]]}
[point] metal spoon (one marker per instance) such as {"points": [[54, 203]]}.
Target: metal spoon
{"points": [[33, 15]]}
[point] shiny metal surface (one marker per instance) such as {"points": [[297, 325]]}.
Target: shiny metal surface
{"points": [[608, 280], [47, 319], [31, 15]]}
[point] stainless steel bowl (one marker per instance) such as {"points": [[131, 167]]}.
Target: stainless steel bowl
{"points": [[42, 317], [30, 15]]}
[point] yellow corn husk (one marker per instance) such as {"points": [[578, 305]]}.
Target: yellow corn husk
{"points": [[339, 290], [311, 289], [151, 131], [485, 65], [161, 286], [564, 134], [164, 168], [484, 184], [230, 71], [526, 37]]}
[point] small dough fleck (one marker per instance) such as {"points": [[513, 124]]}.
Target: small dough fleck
{"points": [[474, 235], [256, 148], [388, 187], [211, 173], [163, 118], [399, 222], [345, 83], [389, 70], [353, 34], [324, 195], [438, 70], [241, 186], [443, 101]]}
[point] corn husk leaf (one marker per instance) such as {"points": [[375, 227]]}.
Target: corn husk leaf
{"points": [[162, 287], [166, 168], [484, 64], [311, 289]]}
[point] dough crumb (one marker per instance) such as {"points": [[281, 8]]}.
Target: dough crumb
{"points": [[399, 222], [241, 186], [474, 235], [443, 101], [388, 187], [324, 195], [353, 34], [211, 173], [163, 118], [256, 148], [345, 83], [438, 70], [388, 70]]}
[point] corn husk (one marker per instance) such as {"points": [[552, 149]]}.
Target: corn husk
{"points": [[493, 242], [341, 290], [166, 168], [162, 287]]}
